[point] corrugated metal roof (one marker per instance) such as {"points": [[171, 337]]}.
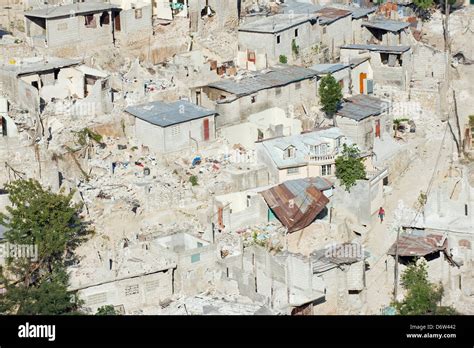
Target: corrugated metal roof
{"points": [[322, 184], [327, 15], [419, 245], [296, 203], [71, 10], [322, 262], [322, 69], [276, 23], [39, 65], [164, 114], [280, 75], [361, 106], [301, 142], [378, 48], [386, 24]]}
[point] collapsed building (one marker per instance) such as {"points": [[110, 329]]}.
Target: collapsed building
{"points": [[392, 65], [33, 83]]}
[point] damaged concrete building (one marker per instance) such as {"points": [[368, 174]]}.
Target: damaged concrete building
{"points": [[234, 99], [34, 82], [293, 284], [392, 65], [266, 124], [385, 32], [146, 274]]}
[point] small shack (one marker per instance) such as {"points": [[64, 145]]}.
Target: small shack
{"points": [[169, 127]]}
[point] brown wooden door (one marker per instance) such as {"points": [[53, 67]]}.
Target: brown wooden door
{"points": [[205, 126], [117, 21], [362, 78], [220, 217], [377, 128]]}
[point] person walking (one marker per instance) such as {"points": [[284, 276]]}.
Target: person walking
{"points": [[381, 214]]}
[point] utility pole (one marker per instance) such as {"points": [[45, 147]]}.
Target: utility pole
{"points": [[395, 286]]}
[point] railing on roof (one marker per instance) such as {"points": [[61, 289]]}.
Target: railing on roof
{"points": [[321, 158]]}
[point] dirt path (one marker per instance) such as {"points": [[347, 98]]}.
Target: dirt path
{"points": [[382, 235]]}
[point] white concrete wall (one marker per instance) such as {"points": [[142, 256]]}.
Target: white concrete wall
{"points": [[366, 68], [337, 34], [67, 30], [151, 288], [341, 75], [150, 135], [236, 213], [130, 24], [266, 43], [286, 97], [267, 121], [169, 139]]}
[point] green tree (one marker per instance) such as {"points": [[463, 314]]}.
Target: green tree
{"points": [[49, 221], [283, 59], [350, 166], [423, 4], [106, 310], [330, 93], [422, 297]]}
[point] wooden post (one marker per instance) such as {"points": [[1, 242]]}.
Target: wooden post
{"points": [[395, 289]]}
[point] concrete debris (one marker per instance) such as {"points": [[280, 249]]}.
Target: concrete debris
{"points": [[186, 130]]}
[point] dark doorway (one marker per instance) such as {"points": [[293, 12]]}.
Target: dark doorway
{"points": [[117, 21], [3, 123]]}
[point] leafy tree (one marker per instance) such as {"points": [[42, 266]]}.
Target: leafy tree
{"points": [[422, 297], [106, 310], [330, 93], [50, 222], [350, 166], [423, 4]]}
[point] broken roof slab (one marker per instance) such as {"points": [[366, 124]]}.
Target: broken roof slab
{"points": [[378, 48], [79, 8], [386, 25], [37, 65]]}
